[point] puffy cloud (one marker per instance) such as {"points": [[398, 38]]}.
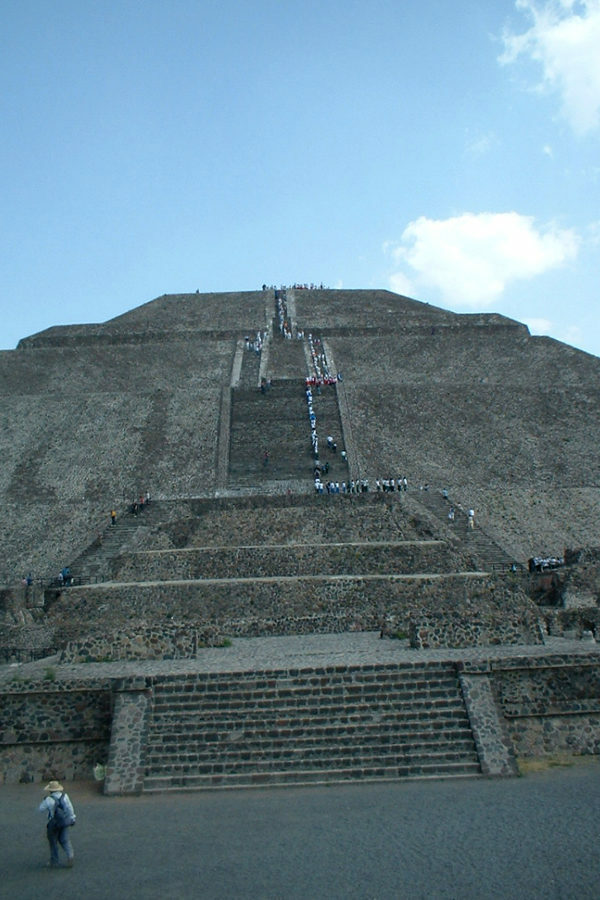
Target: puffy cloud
{"points": [[471, 258], [539, 326], [565, 40], [400, 283]]}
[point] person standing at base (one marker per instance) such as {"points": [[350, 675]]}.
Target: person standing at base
{"points": [[61, 816]]}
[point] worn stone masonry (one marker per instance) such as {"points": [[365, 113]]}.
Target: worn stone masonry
{"points": [[163, 641], [496, 754], [240, 549], [125, 766], [549, 704], [53, 728]]}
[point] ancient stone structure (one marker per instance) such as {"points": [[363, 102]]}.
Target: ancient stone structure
{"points": [[200, 403]]}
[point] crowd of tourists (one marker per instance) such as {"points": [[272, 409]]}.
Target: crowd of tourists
{"points": [[391, 484], [321, 373], [255, 344], [282, 315], [307, 286], [358, 486]]}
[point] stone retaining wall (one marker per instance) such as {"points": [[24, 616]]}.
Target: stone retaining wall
{"points": [[53, 729], [486, 628], [24, 643], [160, 641], [298, 559], [286, 601], [550, 705]]}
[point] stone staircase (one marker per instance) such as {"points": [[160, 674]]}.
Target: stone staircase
{"points": [[490, 556], [276, 422], [286, 357], [94, 563], [330, 724]]}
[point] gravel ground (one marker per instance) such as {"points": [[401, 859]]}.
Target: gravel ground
{"points": [[530, 837]]}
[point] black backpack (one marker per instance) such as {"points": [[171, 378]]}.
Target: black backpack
{"points": [[61, 817]]}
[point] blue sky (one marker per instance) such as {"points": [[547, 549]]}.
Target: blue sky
{"points": [[449, 151]]}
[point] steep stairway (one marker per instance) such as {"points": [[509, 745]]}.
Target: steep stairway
{"points": [[490, 556], [94, 562], [275, 422], [286, 356], [341, 723]]}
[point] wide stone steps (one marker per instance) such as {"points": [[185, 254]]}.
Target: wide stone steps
{"points": [[298, 726], [276, 422], [325, 690], [449, 730], [278, 702], [449, 725], [322, 715], [323, 757], [386, 771]]}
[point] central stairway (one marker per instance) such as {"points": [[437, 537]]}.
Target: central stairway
{"points": [[306, 726]]}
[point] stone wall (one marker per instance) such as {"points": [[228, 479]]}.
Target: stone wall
{"points": [[550, 705], [53, 729], [365, 599], [448, 611], [292, 560], [163, 641], [24, 643], [503, 616]]}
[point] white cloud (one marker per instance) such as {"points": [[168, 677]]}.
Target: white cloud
{"points": [[539, 326], [593, 233], [400, 283], [471, 258], [565, 40], [479, 145], [573, 335]]}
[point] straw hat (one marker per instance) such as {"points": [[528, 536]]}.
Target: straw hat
{"points": [[53, 786]]}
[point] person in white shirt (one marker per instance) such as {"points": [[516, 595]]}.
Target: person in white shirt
{"points": [[61, 816]]}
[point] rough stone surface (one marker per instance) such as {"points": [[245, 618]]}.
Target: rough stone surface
{"points": [[125, 766], [496, 754], [164, 399]]}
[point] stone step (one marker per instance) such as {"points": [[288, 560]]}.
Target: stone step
{"points": [[265, 677], [331, 723], [235, 737], [292, 713], [321, 757], [390, 693], [446, 723], [383, 772], [259, 755]]}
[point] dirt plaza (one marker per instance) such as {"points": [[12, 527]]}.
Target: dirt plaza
{"points": [[530, 837]]}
